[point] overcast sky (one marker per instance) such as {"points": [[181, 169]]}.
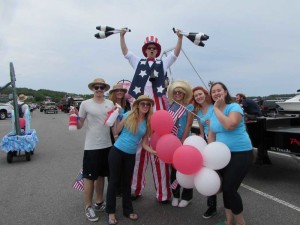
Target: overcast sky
{"points": [[254, 46]]}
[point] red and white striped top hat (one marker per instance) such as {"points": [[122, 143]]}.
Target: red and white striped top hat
{"points": [[154, 41]]}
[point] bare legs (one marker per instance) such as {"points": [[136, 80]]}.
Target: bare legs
{"points": [[89, 190]]}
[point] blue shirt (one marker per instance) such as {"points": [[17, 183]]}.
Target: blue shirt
{"points": [[204, 117], [238, 139], [182, 121], [128, 141]]}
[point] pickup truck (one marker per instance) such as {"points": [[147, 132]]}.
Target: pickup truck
{"points": [[50, 107], [5, 110], [280, 134]]}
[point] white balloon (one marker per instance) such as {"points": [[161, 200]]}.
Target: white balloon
{"points": [[216, 155], [196, 141], [186, 181], [207, 182]]}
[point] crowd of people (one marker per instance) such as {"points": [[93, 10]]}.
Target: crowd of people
{"points": [[122, 152]]}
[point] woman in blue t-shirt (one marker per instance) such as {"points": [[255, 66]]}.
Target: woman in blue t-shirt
{"points": [[135, 127], [180, 93], [227, 126], [204, 109]]}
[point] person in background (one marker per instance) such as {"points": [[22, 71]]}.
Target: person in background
{"points": [[204, 109], [135, 127], [227, 126], [180, 92], [149, 79], [250, 107], [21, 103], [117, 96], [93, 113]]}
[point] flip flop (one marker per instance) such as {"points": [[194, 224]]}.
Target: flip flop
{"points": [[133, 216], [112, 221]]}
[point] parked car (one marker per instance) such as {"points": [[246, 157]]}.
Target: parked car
{"points": [[270, 108], [5, 110]]}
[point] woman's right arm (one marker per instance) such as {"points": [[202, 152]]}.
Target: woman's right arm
{"points": [[201, 129], [145, 145], [211, 137]]}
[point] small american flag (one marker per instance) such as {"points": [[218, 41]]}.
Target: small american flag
{"points": [[176, 110], [174, 184], [78, 183]]}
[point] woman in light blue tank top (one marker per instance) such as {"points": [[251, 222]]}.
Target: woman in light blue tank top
{"points": [[135, 127]]}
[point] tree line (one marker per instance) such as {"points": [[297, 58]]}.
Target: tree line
{"points": [[42, 94]]}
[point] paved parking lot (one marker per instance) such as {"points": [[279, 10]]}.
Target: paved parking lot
{"points": [[40, 191]]}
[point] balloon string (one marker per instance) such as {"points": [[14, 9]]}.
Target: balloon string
{"points": [[190, 111]]}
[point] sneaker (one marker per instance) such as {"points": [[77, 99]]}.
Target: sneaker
{"points": [[210, 212], [90, 214], [99, 206], [183, 203], [175, 202]]}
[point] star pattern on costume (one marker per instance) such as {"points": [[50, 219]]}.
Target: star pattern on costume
{"points": [[155, 73], [158, 62], [143, 62], [143, 73], [160, 89], [137, 90]]}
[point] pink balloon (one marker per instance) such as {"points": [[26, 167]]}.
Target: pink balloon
{"points": [[161, 122], [166, 146], [153, 140], [187, 159]]}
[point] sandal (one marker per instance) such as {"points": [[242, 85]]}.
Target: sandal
{"points": [[133, 216], [112, 221]]}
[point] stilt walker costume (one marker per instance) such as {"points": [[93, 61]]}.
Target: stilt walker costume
{"points": [[149, 79]]}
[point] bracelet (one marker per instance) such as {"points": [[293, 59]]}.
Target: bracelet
{"points": [[78, 118]]}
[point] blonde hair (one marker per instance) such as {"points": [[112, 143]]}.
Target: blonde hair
{"points": [[132, 120]]}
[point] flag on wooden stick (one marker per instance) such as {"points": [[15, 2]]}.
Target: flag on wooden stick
{"points": [[176, 110], [78, 183]]}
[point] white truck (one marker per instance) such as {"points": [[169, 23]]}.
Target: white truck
{"points": [[5, 110]]}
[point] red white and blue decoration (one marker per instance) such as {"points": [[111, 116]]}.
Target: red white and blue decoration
{"points": [[196, 161]]}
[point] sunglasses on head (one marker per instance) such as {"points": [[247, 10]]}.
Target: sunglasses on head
{"points": [[96, 87], [145, 104], [151, 48]]}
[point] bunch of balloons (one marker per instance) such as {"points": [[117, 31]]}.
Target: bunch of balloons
{"points": [[194, 159]]}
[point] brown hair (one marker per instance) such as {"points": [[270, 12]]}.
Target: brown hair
{"points": [[193, 101], [241, 95], [113, 98]]}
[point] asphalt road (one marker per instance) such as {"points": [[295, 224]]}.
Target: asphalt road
{"points": [[40, 191]]}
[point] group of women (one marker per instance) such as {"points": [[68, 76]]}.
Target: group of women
{"points": [[220, 119]]}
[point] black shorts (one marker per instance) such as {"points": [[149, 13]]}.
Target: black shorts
{"points": [[95, 163]]}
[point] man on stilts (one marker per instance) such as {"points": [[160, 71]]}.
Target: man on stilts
{"points": [[149, 79]]}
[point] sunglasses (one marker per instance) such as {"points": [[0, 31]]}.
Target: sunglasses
{"points": [[145, 104], [151, 48], [96, 87], [177, 93]]}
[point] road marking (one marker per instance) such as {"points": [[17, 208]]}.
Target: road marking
{"points": [[271, 197]]}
